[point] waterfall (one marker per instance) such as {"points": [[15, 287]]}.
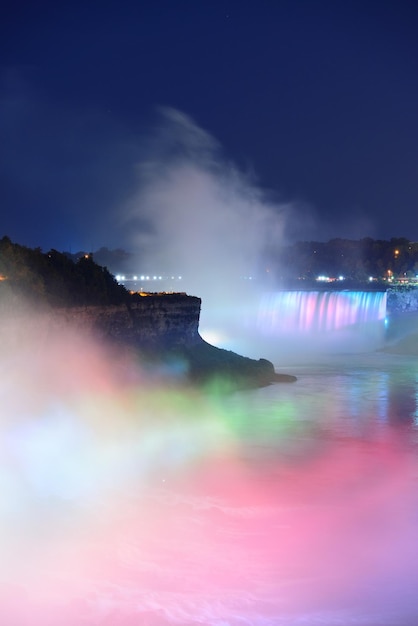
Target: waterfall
{"points": [[307, 312], [303, 324], [286, 325]]}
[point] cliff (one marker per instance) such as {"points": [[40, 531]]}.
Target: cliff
{"points": [[149, 322], [164, 330], [402, 299]]}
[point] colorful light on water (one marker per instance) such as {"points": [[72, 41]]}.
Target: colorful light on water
{"points": [[318, 311], [128, 500]]}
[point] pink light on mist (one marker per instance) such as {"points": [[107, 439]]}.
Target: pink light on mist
{"points": [[221, 541], [125, 501]]}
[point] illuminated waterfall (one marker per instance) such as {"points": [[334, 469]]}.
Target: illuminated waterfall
{"points": [[299, 323], [316, 311], [337, 320]]}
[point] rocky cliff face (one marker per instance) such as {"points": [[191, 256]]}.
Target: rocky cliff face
{"points": [[402, 300], [165, 329], [167, 320]]}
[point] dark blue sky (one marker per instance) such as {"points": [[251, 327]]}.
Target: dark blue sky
{"points": [[318, 100]]}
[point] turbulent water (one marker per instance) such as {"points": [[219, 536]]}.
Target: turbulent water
{"points": [[299, 324], [125, 500]]}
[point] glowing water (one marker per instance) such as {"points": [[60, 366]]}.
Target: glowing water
{"points": [[285, 325], [126, 501], [307, 312]]}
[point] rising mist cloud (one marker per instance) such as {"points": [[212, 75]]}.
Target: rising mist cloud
{"points": [[195, 214]]}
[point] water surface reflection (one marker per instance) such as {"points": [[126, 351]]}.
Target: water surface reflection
{"points": [[135, 503]]}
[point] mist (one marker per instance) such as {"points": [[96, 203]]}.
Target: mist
{"points": [[127, 500], [197, 216]]}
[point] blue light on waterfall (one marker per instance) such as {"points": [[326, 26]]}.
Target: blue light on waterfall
{"points": [[319, 311]]}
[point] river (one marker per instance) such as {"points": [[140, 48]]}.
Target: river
{"points": [[127, 502]]}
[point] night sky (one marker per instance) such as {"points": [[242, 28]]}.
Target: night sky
{"points": [[315, 102]]}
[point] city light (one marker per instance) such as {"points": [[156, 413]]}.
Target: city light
{"points": [[329, 279], [127, 278]]}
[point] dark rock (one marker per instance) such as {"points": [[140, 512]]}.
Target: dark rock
{"points": [[164, 330], [206, 363]]}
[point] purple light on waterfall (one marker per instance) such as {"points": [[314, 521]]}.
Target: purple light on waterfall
{"points": [[306, 312]]}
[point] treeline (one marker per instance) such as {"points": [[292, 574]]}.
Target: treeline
{"points": [[355, 260], [118, 261], [55, 278], [61, 279]]}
